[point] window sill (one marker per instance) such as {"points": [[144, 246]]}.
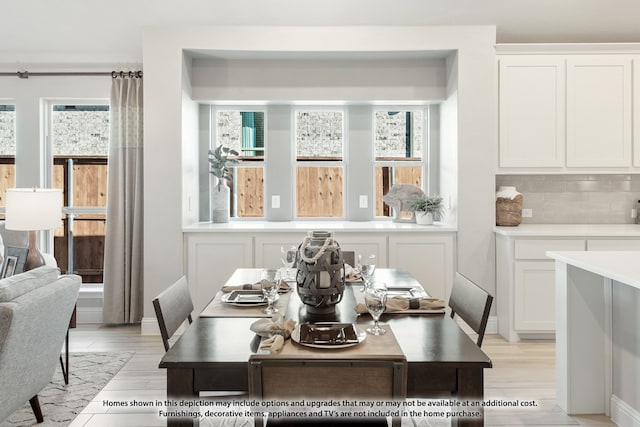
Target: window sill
{"points": [[297, 226]]}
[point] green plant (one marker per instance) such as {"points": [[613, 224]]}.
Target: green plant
{"points": [[433, 204], [219, 163]]}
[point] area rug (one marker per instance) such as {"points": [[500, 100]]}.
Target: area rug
{"points": [[61, 402]]}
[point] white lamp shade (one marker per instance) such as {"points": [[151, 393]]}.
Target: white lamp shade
{"points": [[33, 209]]}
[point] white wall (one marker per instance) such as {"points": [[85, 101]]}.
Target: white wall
{"points": [[163, 65], [342, 79]]}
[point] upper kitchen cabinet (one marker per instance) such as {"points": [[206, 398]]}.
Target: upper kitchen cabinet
{"points": [[599, 111], [532, 111], [569, 112]]}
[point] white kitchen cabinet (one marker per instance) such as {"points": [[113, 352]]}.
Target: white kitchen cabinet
{"points": [[532, 111], [525, 289], [599, 111], [211, 259], [534, 296], [429, 258], [211, 256], [636, 108], [613, 244]]}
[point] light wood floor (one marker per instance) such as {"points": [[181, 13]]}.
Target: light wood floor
{"points": [[524, 371]]}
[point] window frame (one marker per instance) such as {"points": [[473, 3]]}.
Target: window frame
{"points": [[9, 159], [244, 163], [48, 163], [423, 163], [342, 163]]}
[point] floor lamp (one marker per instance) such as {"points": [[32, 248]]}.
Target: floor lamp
{"points": [[33, 209]]}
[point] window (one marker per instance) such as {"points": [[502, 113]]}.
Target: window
{"points": [[398, 148], [244, 132], [319, 137], [7, 150], [80, 143]]}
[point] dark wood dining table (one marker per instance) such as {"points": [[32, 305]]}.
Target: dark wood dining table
{"points": [[442, 361]]}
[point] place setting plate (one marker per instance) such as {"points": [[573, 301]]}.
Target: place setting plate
{"points": [[244, 298], [328, 335]]}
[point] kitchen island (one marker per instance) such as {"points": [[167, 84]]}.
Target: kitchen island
{"points": [[598, 334]]}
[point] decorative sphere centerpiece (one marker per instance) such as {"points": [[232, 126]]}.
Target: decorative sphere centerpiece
{"points": [[319, 278]]}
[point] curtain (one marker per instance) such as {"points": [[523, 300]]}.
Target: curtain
{"points": [[123, 284]]}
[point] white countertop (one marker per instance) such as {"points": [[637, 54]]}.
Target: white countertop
{"points": [[621, 266], [298, 226], [571, 230]]}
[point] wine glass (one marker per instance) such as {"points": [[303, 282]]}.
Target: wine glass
{"points": [[367, 266], [270, 284], [375, 298], [288, 258]]}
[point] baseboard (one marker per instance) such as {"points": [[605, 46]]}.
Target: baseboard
{"points": [[492, 325], [89, 315], [622, 414], [149, 326]]}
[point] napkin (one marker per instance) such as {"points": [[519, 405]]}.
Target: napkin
{"points": [[284, 287], [395, 304], [276, 330], [351, 274]]}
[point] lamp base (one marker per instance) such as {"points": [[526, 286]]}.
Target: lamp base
{"points": [[34, 257]]}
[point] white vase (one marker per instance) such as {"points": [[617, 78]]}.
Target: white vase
{"points": [[220, 202], [424, 218]]}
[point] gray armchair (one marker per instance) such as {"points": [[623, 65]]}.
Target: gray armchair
{"points": [[35, 309]]}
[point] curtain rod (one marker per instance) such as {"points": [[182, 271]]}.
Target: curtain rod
{"points": [[113, 74]]}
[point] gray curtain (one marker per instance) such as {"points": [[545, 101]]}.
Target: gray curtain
{"points": [[123, 285]]}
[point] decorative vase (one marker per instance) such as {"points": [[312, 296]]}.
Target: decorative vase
{"points": [[508, 206], [220, 202], [424, 218], [319, 278]]}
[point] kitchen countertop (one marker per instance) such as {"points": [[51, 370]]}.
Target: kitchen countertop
{"points": [[303, 226], [621, 266], [570, 230]]}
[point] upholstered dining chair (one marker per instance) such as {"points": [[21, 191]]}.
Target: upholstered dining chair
{"points": [[173, 306], [471, 303]]}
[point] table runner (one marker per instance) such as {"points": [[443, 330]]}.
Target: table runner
{"points": [[373, 347], [359, 297], [216, 308]]}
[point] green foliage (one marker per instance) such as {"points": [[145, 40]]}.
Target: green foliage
{"points": [[220, 161], [433, 204]]}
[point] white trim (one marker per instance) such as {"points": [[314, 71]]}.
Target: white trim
{"points": [[149, 326], [89, 315], [623, 414]]}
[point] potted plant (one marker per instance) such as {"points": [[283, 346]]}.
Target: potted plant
{"points": [[427, 208], [220, 166]]}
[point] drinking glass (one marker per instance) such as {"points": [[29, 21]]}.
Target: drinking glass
{"points": [[367, 266], [288, 258], [270, 284], [375, 298]]}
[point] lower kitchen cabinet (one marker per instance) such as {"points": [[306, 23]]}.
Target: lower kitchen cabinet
{"points": [[534, 296], [211, 257], [525, 276]]}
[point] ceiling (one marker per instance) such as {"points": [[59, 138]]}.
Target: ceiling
{"points": [[88, 31]]}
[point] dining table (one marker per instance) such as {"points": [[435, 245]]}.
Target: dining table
{"points": [[442, 362]]}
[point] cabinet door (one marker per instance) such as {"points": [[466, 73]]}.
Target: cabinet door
{"points": [[534, 296], [599, 111], [532, 111], [636, 116], [429, 258], [211, 260], [613, 245]]}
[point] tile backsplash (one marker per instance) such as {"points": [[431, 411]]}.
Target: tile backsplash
{"points": [[576, 199]]}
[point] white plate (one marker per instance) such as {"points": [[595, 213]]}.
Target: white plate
{"points": [[243, 298], [295, 336]]}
